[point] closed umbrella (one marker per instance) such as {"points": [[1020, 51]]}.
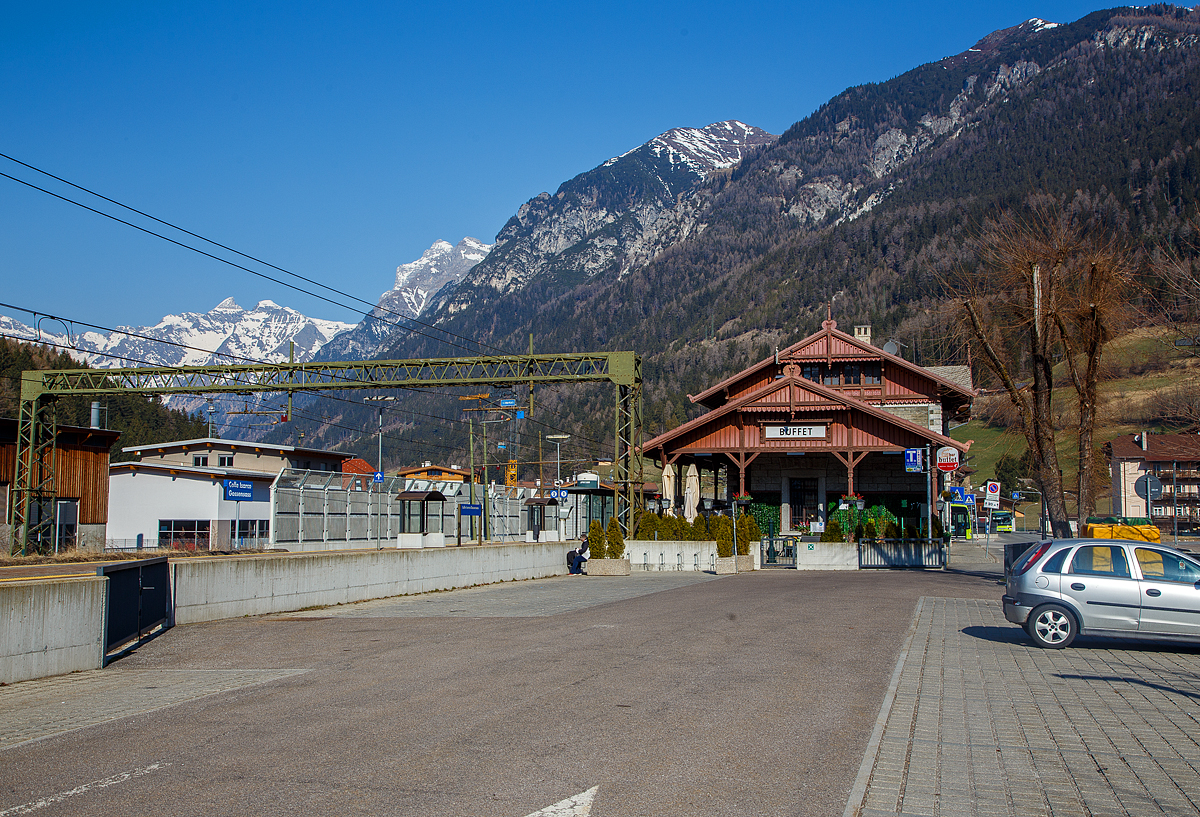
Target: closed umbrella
{"points": [[668, 487], [691, 493]]}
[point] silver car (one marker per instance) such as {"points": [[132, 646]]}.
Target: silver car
{"points": [[1116, 588]]}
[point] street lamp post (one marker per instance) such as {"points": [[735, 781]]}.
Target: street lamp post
{"points": [[558, 438], [381, 399]]}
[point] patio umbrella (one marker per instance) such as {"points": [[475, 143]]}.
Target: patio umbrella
{"points": [[668, 487], [691, 493]]}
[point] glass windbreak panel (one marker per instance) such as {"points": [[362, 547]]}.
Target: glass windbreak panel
{"points": [[1158, 564], [1101, 560]]}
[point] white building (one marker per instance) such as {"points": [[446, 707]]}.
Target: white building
{"points": [[208, 494]]}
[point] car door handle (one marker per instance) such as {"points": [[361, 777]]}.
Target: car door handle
{"points": [[1153, 592], [1077, 586]]}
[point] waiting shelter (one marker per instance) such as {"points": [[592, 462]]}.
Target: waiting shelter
{"points": [[822, 421], [414, 519]]}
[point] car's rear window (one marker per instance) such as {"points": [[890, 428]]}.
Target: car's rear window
{"points": [[1055, 563], [1101, 560]]}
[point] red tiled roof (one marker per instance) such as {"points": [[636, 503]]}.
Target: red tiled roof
{"points": [[357, 465]]}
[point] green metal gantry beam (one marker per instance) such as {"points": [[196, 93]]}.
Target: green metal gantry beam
{"points": [[34, 481]]}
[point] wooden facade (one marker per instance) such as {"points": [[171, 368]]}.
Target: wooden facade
{"points": [[829, 415], [80, 472]]}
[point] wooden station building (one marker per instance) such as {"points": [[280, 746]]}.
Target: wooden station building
{"points": [[829, 416]]}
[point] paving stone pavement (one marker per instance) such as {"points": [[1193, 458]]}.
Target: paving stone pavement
{"points": [[32, 710], [984, 723]]}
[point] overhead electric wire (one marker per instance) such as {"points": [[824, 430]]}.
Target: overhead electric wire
{"points": [[235, 265], [185, 231]]}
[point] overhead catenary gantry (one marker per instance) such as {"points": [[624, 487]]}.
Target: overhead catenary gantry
{"points": [[34, 484]]}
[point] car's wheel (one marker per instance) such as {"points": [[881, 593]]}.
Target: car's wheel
{"points": [[1052, 626]]}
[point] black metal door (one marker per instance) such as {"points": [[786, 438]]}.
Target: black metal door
{"points": [[138, 600]]}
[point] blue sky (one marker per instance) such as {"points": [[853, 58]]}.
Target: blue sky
{"points": [[338, 140]]}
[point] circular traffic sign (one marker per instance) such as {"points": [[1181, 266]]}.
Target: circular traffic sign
{"points": [[947, 459]]}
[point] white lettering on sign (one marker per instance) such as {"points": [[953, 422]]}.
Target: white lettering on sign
{"points": [[795, 432]]}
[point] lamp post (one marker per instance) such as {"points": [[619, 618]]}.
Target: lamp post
{"points": [[381, 399], [558, 438]]}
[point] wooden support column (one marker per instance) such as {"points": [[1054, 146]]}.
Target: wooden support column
{"points": [[851, 460]]}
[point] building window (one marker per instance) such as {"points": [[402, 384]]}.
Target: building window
{"points": [[871, 374], [852, 374], [249, 533], [200, 460], [811, 372], [183, 534], [225, 460], [832, 376]]}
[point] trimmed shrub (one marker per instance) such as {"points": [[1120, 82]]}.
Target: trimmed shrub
{"points": [[833, 531], [699, 529], [869, 529], [891, 530], [648, 525], [615, 542], [746, 533], [596, 540], [722, 531]]}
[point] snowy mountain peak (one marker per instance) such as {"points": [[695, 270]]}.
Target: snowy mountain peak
{"points": [[442, 262], [703, 150], [227, 305]]}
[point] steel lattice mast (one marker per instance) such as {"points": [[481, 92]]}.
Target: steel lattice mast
{"points": [[34, 481]]}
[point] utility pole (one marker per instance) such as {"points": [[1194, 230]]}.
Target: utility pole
{"points": [[558, 438], [381, 399]]}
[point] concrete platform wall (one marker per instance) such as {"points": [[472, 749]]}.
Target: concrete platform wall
{"points": [[211, 589], [51, 627], [664, 554]]}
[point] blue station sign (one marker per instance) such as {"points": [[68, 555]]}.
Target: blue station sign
{"points": [[239, 490]]}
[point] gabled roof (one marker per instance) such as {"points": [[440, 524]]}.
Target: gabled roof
{"points": [[849, 347], [1160, 447], [826, 398]]}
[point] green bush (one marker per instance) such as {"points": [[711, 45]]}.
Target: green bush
{"points": [[869, 529], [596, 540], [648, 525], [699, 529], [722, 532], [747, 533], [891, 530], [614, 541], [675, 528], [833, 531], [859, 531]]}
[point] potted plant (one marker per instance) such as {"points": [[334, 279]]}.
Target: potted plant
{"points": [[722, 531], [611, 561]]}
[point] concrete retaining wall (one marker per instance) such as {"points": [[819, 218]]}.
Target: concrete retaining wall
{"points": [[211, 589], [826, 556], [665, 554], [51, 627]]}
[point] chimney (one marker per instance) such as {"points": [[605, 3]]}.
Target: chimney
{"points": [[95, 414], [1145, 440], [863, 333]]}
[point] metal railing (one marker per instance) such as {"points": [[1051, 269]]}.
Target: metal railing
{"points": [[892, 553]]}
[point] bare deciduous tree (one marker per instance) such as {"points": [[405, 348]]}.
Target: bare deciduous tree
{"points": [[1049, 285]]}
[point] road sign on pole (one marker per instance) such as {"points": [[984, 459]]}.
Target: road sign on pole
{"points": [[914, 460], [991, 495]]}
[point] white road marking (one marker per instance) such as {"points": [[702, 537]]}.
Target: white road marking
{"points": [[578, 806], [85, 788]]}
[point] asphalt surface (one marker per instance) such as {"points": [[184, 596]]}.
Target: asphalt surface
{"points": [[682, 694], [777, 692]]}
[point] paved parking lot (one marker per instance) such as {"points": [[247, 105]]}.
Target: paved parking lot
{"points": [[664, 694], [982, 722]]}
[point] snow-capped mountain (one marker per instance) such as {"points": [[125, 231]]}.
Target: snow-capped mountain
{"points": [[226, 334], [442, 265], [610, 219]]}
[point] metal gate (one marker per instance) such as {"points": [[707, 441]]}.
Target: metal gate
{"points": [[138, 601], [874, 553], [778, 551]]}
